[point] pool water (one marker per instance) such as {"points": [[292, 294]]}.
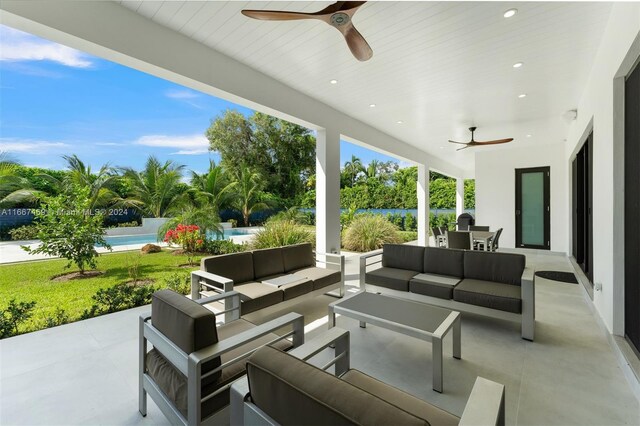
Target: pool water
{"points": [[126, 240]]}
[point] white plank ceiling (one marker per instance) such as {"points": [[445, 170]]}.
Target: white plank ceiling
{"points": [[438, 67]]}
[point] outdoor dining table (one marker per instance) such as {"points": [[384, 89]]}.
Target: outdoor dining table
{"points": [[483, 237]]}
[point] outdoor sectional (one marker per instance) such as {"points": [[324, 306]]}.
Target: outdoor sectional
{"points": [[492, 284], [245, 272]]}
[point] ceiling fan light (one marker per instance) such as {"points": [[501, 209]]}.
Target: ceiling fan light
{"points": [[510, 13]]}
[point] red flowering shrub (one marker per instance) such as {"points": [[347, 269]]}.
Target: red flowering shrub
{"points": [[188, 237]]}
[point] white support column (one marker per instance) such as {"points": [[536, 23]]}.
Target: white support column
{"points": [[423, 205], [459, 196], [328, 191]]}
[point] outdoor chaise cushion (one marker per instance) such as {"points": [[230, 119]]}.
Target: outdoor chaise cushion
{"points": [[320, 277], [504, 268], [402, 256], [395, 279], [444, 261], [174, 384], [504, 297], [297, 256], [291, 391], [255, 295], [402, 400], [440, 286], [237, 267], [267, 262]]}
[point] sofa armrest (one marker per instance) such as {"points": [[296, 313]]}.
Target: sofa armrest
{"points": [[528, 295], [335, 262], [214, 282], [333, 337], [485, 405], [364, 262]]}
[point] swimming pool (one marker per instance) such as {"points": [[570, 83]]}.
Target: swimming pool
{"points": [[126, 240]]}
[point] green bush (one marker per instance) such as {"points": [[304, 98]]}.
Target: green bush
{"points": [[278, 233], [24, 232], [444, 219], [408, 236], [131, 224], [397, 220], [117, 298], [13, 315], [59, 317], [180, 282], [221, 247], [410, 223], [370, 232]]}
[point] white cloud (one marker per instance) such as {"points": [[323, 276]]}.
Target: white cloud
{"points": [[182, 94], [29, 146], [18, 46], [108, 144], [186, 145]]}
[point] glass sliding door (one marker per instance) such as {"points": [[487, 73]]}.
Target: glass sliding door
{"points": [[532, 208]]}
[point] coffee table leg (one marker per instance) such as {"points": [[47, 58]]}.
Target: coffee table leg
{"points": [[363, 324], [457, 338], [436, 344], [332, 317]]}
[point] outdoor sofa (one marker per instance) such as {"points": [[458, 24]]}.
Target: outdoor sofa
{"points": [[246, 272], [193, 362], [281, 388], [498, 285]]}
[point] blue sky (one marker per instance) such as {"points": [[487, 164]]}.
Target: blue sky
{"points": [[55, 100]]}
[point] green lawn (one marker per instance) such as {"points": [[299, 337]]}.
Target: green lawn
{"points": [[31, 281]]}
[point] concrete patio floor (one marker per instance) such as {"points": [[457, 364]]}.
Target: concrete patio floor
{"points": [[86, 372]]}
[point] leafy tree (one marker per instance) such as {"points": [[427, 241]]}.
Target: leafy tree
{"points": [[13, 315], [470, 194], [247, 197], [66, 228], [156, 190]]}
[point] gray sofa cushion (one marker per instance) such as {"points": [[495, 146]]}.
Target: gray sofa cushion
{"points": [[297, 256], [267, 262], [440, 286], [321, 277], [401, 256], [236, 266], [444, 261], [395, 279], [400, 399], [504, 297], [503, 268], [298, 288], [292, 392], [174, 384], [255, 295], [189, 325]]}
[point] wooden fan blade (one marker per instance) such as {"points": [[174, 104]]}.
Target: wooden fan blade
{"points": [[341, 6], [497, 141], [275, 15], [357, 44], [461, 143]]}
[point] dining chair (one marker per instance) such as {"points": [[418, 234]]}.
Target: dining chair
{"points": [[459, 240], [478, 228]]}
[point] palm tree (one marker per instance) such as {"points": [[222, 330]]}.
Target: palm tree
{"points": [[156, 190], [373, 168], [15, 189], [206, 217], [353, 167], [247, 193], [213, 188]]}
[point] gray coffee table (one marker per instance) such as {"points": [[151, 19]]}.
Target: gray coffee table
{"points": [[415, 319]]}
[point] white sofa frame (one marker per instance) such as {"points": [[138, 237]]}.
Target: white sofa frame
{"points": [[213, 283], [191, 364], [485, 405], [526, 318]]}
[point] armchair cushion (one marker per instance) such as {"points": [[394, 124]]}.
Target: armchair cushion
{"points": [[506, 268], [321, 277], [256, 296], [444, 261], [267, 262], [189, 325], [400, 399], [291, 391], [504, 297], [395, 279], [298, 256], [402, 256], [236, 266]]}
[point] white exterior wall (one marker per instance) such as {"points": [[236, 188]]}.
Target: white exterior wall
{"points": [[496, 190], [615, 56]]}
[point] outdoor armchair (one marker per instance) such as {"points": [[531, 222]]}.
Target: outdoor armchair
{"points": [[194, 361]]}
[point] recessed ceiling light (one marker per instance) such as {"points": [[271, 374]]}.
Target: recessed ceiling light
{"points": [[518, 64], [333, 81], [509, 13], [528, 136], [523, 95], [372, 105], [399, 122]]}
